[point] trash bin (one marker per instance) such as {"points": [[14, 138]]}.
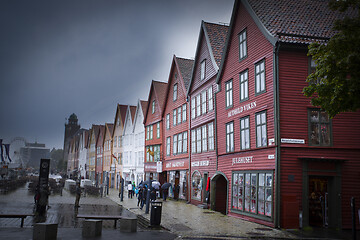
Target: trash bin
{"points": [[155, 215]]}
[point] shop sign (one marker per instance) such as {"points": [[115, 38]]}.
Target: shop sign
{"points": [[241, 109], [296, 141], [159, 166], [175, 164], [150, 167], [271, 156], [200, 163], [242, 160]]}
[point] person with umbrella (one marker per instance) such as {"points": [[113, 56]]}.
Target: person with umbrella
{"points": [[165, 188]]}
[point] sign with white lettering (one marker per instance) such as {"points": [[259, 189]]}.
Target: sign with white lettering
{"points": [[297, 141], [159, 166], [150, 167], [200, 163], [175, 164], [271, 156], [242, 160], [241, 109]]}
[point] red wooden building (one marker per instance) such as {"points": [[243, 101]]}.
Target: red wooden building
{"points": [[154, 131], [281, 161], [176, 124], [201, 91]]}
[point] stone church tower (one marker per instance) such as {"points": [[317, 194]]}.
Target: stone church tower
{"points": [[71, 127]]}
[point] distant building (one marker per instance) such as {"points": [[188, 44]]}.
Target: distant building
{"points": [[34, 152], [70, 129]]}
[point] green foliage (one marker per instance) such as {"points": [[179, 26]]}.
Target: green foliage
{"points": [[57, 156], [335, 85]]}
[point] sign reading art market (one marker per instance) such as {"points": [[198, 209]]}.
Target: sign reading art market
{"points": [[241, 109], [240, 160], [175, 164], [150, 167]]}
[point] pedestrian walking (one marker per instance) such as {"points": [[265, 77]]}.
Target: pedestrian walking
{"points": [[164, 194], [143, 199], [139, 196], [78, 195], [129, 190], [133, 189]]}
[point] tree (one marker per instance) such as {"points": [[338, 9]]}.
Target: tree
{"points": [[57, 159], [335, 84]]}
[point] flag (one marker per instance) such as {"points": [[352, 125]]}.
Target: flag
{"points": [[2, 156], [7, 149]]}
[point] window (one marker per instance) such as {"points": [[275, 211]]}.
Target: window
{"points": [[252, 192], [203, 102], [228, 94], [174, 117], [198, 106], [158, 130], [115, 141], [210, 98], [119, 158], [193, 141], [193, 107], [151, 131], [175, 92], [196, 184], [175, 145], [204, 138], [198, 140], [211, 136], [319, 128], [261, 138], [242, 45], [184, 113], [184, 150], [230, 137], [245, 133], [180, 143], [156, 153], [168, 121], [179, 115], [244, 90], [260, 77], [153, 106], [168, 142], [202, 70], [120, 141], [147, 132]]}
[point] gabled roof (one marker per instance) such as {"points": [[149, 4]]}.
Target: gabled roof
{"points": [[288, 21], [159, 90], [109, 127], [143, 106], [184, 67], [95, 130], [301, 21], [120, 109], [215, 36], [130, 112], [100, 139]]}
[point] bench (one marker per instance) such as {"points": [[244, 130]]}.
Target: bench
{"points": [[105, 217], [16, 215]]}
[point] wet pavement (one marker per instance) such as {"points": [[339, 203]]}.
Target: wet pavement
{"points": [[179, 220]]}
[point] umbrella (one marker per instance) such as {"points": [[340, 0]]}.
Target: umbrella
{"points": [[166, 185], [156, 185]]}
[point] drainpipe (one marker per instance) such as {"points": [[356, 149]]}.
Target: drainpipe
{"points": [[188, 180], [277, 133]]}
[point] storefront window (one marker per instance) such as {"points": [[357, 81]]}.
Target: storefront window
{"points": [[196, 185], [252, 192]]}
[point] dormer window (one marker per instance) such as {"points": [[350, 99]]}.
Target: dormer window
{"points": [[153, 106], [175, 92], [202, 70]]}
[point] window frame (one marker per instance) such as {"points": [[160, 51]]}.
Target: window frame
{"points": [[158, 130], [175, 88], [242, 44], [210, 99], [174, 117], [320, 123], [229, 94], [185, 139], [203, 70], [261, 127], [243, 130], [179, 115], [246, 87], [204, 144], [153, 107], [198, 140], [168, 121], [193, 141], [184, 112], [193, 107], [203, 102], [211, 137], [229, 137], [175, 144], [168, 146], [259, 73]]}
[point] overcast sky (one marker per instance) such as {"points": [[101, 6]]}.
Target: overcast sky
{"points": [[85, 56]]}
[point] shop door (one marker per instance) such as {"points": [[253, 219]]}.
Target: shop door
{"points": [[319, 196], [221, 194], [177, 185]]}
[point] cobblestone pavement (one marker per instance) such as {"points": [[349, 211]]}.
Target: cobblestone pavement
{"points": [[192, 222]]}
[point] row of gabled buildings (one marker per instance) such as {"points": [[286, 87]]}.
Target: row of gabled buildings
{"points": [[232, 130]]}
